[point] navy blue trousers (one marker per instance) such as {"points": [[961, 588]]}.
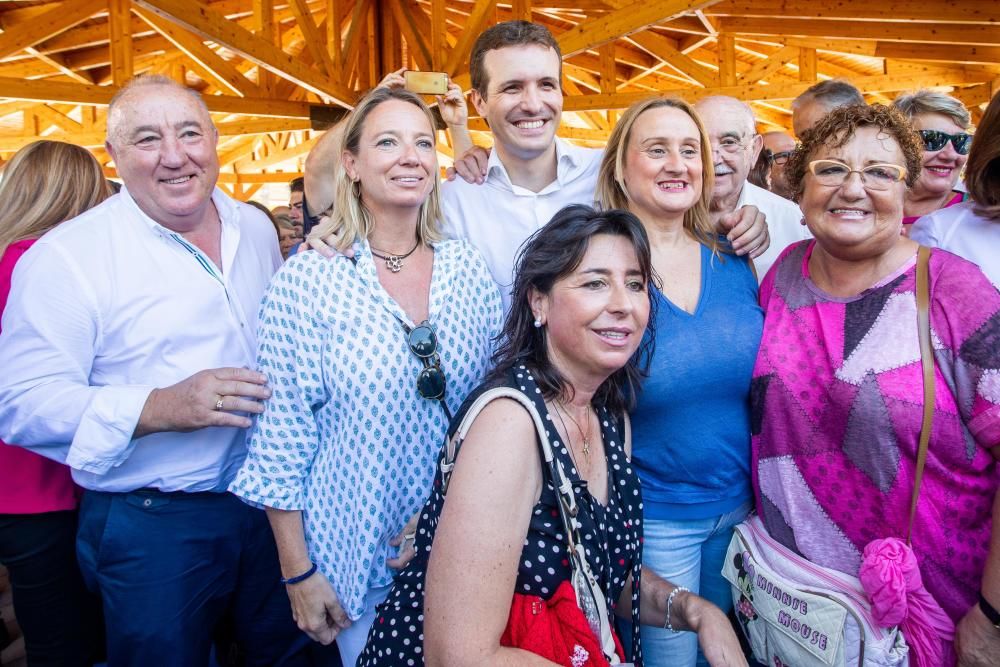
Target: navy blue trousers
{"points": [[172, 568]]}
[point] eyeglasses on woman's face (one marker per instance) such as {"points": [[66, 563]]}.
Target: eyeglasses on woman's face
{"points": [[431, 381], [935, 140], [832, 173]]}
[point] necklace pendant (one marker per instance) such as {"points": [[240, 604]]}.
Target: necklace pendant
{"points": [[586, 448], [394, 263]]}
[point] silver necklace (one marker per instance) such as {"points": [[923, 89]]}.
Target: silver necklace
{"points": [[395, 262]]}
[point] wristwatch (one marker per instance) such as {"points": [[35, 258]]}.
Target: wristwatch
{"points": [[992, 614]]}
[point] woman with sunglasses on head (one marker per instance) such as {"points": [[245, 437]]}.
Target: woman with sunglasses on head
{"points": [[972, 229], [492, 580], [838, 393], [366, 357], [942, 122]]}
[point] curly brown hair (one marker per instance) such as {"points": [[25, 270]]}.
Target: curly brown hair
{"points": [[837, 128]]}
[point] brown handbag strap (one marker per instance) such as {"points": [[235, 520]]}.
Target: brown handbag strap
{"points": [[927, 365]]}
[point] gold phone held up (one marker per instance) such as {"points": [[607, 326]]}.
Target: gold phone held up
{"points": [[426, 83]]}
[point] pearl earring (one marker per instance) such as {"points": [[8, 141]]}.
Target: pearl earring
{"points": [[538, 323]]}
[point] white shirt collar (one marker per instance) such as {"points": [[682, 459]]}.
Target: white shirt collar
{"points": [[568, 161]]}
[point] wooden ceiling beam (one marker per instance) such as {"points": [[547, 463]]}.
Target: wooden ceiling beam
{"points": [[277, 157], [315, 42], [950, 53], [58, 63], [44, 26], [406, 18], [74, 93], [665, 48], [201, 20], [623, 22], [784, 91], [952, 11], [764, 69], [482, 10], [223, 73], [890, 31]]}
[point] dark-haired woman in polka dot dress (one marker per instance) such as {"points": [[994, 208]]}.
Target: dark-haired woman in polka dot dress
{"points": [[579, 312]]}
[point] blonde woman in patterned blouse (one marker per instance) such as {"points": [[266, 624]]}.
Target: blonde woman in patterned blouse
{"points": [[367, 356]]}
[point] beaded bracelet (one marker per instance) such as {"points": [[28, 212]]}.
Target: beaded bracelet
{"points": [[670, 601], [302, 577]]}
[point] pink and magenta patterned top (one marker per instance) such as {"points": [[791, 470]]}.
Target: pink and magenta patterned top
{"points": [[837, 398]]}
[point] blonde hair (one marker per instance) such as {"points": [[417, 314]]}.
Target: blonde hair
{"points": [[611, 190], [924, 101], [44, 184], [349, 218]]}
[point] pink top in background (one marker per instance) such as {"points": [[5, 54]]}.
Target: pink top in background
{"points": [[836, 410], [29, 483]]}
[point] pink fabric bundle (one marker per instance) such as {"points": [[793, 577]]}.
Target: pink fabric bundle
{"points": [[890, 576]]}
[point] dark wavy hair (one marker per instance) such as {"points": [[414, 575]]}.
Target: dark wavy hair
{"points": [[837, 128], [552, 253]]}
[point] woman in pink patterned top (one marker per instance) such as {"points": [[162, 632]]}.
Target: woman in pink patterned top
{"points": [[44, 184], [837, 389]]}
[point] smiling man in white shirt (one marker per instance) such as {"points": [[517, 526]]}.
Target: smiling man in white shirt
{"points": [[126, 345], [516, 69]]}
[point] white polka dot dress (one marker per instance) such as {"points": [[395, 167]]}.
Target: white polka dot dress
{"points": [[345, 437], [611, 536]]}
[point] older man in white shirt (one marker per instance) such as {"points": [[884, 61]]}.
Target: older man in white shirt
{"points": [[126, 348], [735, 146]]}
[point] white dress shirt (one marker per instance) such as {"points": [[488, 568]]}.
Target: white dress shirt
{"points": [[107, 307], [497, 217], [784, 223], [959, 230]]}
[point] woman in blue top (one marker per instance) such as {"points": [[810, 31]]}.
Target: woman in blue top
{"points": [[366, 357], [691, 424]]}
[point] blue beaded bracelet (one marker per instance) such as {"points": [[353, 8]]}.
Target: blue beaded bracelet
{"points": [[302, 577]]}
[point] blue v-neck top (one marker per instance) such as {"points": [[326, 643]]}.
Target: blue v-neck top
{"points": [[691, 426]]}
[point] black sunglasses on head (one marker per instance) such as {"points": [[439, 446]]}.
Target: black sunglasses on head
{"points": [[935, 140]]}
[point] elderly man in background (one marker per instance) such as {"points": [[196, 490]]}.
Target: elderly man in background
{"points": [[781, 145], [126, 348], [819, 100], [735, 146]]}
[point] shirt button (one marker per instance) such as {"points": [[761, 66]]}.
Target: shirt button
{"points": [[147, 502]]}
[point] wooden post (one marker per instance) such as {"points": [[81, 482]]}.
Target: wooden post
{"points": [[439, 35], [727, 59], [807, 64], [120, 34], [521, 10]]}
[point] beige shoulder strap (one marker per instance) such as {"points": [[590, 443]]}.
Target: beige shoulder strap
{"points": [[927, 365]]}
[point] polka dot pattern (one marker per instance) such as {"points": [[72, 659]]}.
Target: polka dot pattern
{"points": [[611, 536], [345, 437]]}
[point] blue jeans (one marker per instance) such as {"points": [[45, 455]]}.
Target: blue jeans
{"points": [[687, 553], [171, 566]]}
